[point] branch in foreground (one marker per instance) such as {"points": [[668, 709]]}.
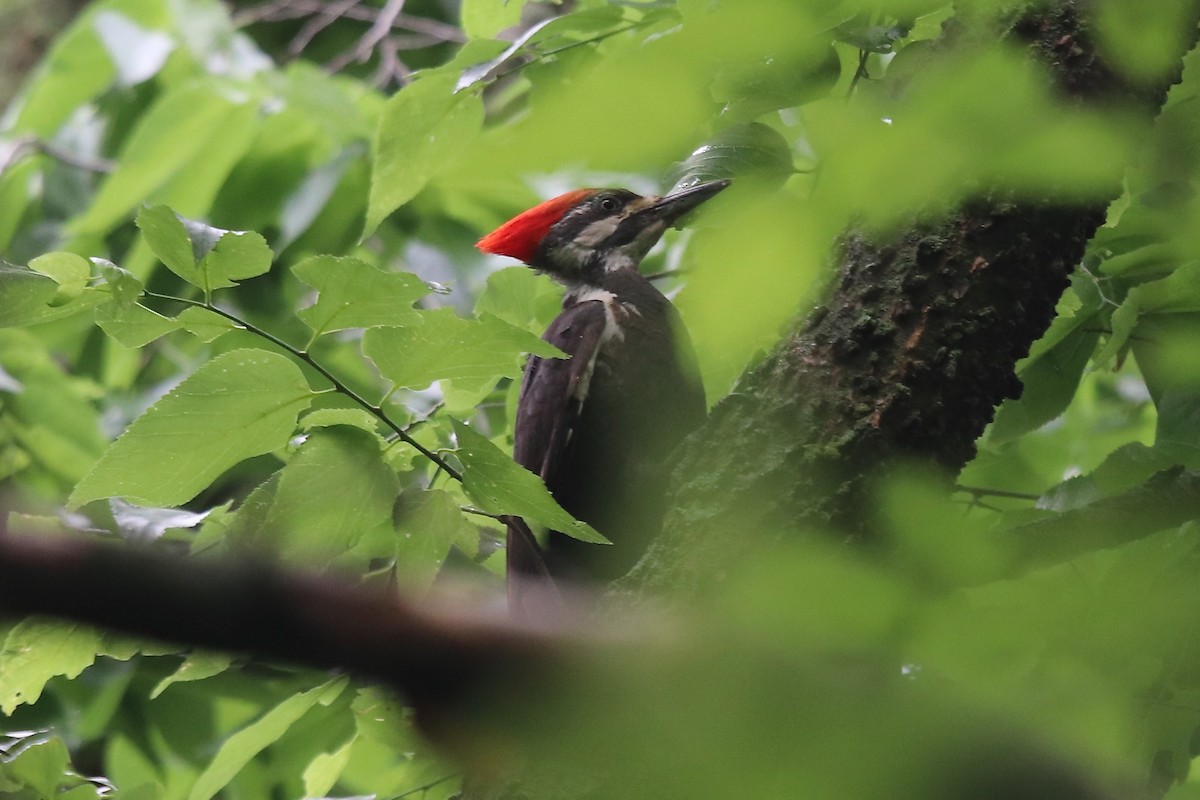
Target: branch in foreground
{"points": [[573, 714], [433, 656]]}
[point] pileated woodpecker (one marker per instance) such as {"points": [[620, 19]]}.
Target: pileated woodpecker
{"points": [[598, 425]]}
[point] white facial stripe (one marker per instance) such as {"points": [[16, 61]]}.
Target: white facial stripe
{"points": [[598, 231]]}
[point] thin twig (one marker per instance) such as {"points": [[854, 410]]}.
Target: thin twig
{"points": [[320, 21], [391, 67], [18, 147], [416, 423], [295, 352], [666, 273], [425, 787], [479, 512], [101, 165], [284, 10], [859, 73], [431, 27], [978, 492], [410, 41], [275, 12], [555, 51], [367, 43]]}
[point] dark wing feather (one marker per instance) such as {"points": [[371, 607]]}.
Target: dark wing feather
{"points": [[547, 410], [548, 407]]}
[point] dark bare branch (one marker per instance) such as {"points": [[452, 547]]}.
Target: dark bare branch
{"points": [[431, 654]]}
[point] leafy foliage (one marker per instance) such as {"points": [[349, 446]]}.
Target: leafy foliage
{"points": [[243, 314]]}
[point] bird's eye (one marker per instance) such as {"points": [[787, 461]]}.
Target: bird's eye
{"points": [[608, 203]]}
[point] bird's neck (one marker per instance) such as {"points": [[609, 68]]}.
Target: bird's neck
{"points": [[625, 285]]}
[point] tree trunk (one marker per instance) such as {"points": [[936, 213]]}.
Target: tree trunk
{"points": [[913, 350]]}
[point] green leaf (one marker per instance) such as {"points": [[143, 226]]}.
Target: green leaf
{"points": [[338, 462], [1124, 468], [206, 257], [137, 53], [23, 294], [204, 324], [1176, 294], [427, 527], [1178, 430], [354, 294], [1142, 41], [40, 766], [754, 151], [241, 747], [244, 527], [133, 326], [1122, 321], [325, 417], [381, 717], [237, 255], [18, 184], [445, 346], [483, 19], [75, 71], [36, 651], [1072, 493], [168, 238], [502, 486], [1050, 379], [303, 206], [872, 38], [124, 285], [568, 27], [166, 140], [520, 297], [28, 297], [130, 765], [749, 89], [196, 667], [422, 127], [323, 771], [1153, 258], [68, 270], [51, 414], [240, 404]]}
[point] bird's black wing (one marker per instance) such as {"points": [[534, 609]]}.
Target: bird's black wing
{"points": [[550, 401], [547, 410]]}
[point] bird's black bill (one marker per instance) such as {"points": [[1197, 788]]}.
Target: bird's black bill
{"points": [[674, 206]]}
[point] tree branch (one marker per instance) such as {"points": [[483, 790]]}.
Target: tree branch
{"points": [[15, 149], [433, 656], [303, 355]]}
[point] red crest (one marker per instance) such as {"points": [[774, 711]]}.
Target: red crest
{"points": [[521, 235]]}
